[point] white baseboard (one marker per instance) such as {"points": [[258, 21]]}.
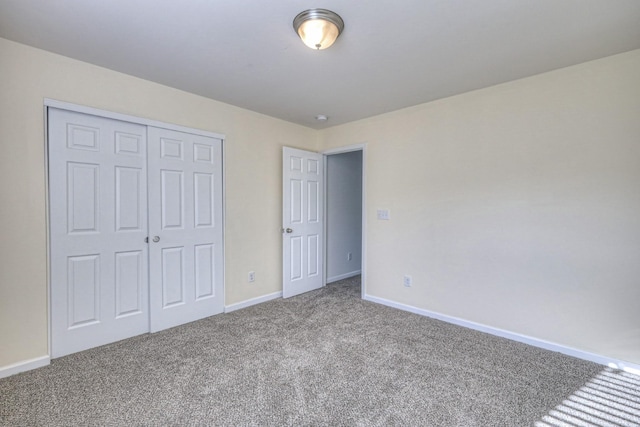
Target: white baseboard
{"points": [[342, 276], [252, 301], [633, 368], [547, 345], [26, 365]]}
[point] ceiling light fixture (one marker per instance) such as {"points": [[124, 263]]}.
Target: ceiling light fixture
{"points": [[318, 28]]}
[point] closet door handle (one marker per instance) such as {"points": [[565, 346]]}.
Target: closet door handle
{"points": [[156, 239]]}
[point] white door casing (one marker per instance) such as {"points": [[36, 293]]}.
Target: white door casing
{"points": [[302, 223], [98, 225], [185, 227]]}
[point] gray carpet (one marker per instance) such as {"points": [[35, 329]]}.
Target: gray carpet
{"points": [[322, 358]]}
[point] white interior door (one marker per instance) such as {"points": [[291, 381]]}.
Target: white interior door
{"points": [[98, 225], [185, 227], [302, 223]]}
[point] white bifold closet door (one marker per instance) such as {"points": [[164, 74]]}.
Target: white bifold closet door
{"points": [[135, 229]]}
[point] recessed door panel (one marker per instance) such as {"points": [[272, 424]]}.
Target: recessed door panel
{"points": [[82, 197], [128, 144], [172, 276], [202, 153], [295, 163], [172, 199], [83, 290], [129, 199], [313, 202], [313, 167], [171, 148], [297, 200], [129, 283], [203, 199], [82, 137], [313, 252], [297, 263], [205, 271]]}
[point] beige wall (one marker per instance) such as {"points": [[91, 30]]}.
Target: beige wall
{"points": [[253, 179], [516, 206]]}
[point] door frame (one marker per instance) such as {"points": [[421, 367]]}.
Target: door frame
{"points": [[363, 267], [62, 105]]}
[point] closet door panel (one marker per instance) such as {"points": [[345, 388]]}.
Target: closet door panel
{"points": [[185, 227], [98, 225]]}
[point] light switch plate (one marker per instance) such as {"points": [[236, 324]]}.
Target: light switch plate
{"points": [[383, 214]]}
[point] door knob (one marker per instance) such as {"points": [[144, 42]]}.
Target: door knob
{"points": [[156, 239], [288, 230]]}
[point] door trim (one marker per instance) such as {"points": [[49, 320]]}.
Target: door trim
{"points": [[62, 105], [128, 118], [346, 149]]}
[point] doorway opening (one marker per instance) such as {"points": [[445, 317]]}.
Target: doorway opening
{"points": [[344, 214]]}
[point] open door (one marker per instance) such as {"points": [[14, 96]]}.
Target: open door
{"points": [[302, 221]]}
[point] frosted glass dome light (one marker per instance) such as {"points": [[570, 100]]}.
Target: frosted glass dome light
{"points": [[318, 28]]}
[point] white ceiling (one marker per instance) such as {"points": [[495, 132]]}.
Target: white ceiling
{"points": [[392, 54]]}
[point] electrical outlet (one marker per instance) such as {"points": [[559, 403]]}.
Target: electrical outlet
{"points": [[349, 256], [252, 276], [408, 281]]}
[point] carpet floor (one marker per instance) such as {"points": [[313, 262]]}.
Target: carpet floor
{"points": [[322, 358]]}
